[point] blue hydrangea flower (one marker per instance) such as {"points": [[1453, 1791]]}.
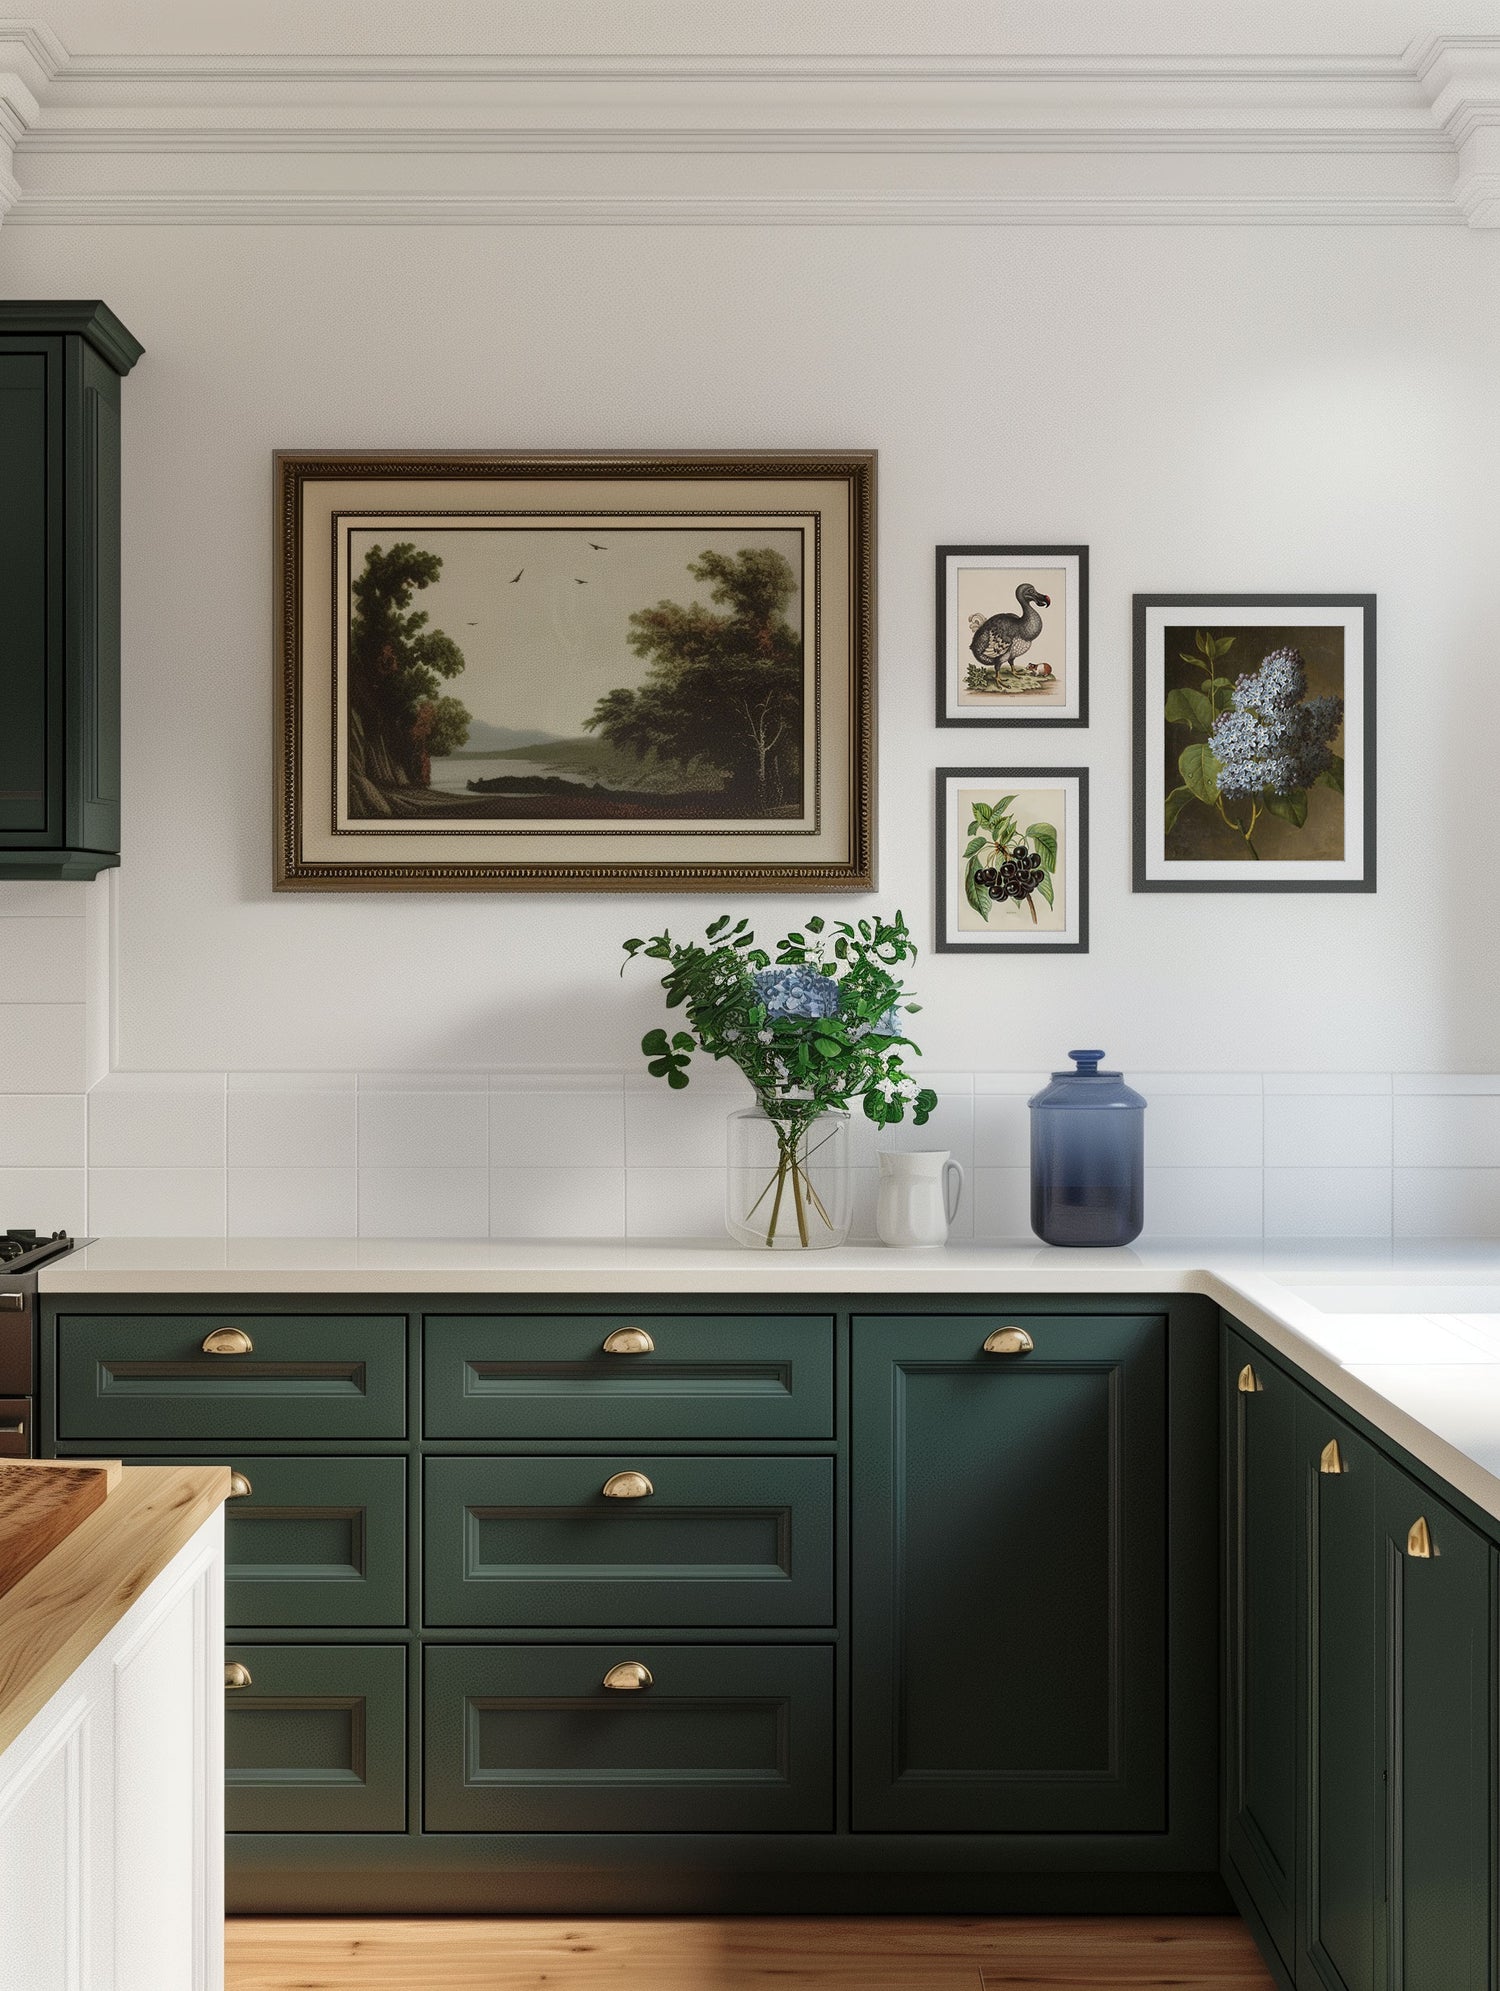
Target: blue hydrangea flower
{"points": [[1274, 739], [796, 992]]}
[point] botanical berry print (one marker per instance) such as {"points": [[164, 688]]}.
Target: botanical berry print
{"points": [[1254, 762], [1009, 861]]}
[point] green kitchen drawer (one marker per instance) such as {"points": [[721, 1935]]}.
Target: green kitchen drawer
{"points": [[315, 1741], [149, 1376], [712, 1542], [629, 1376], [726, 1738], [316, 1542]]}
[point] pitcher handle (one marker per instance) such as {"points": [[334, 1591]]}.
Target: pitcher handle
{"points": [[953, 1186]]}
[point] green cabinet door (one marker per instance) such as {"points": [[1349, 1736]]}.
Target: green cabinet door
{"points": [[1341, 1945], [30, 588], [1261, 1547], [677, 1542], [716, 1738], [156, 1376], [316, 1542], [314, 1738], [1009, 1572], [1440, 1730]]}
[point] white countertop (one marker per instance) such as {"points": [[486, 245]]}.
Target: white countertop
{"points": [[1408, 1336]]}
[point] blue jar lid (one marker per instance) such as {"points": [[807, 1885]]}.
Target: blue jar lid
{"points": [[1087, 1088]]}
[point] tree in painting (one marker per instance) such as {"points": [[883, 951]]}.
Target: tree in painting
{"points": [[722, 689], [399, 718]]}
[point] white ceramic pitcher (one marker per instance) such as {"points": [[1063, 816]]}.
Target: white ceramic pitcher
{"points": [[919, 1196]]}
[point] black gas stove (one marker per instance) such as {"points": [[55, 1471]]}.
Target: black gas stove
{"points": [[21, 1254]]}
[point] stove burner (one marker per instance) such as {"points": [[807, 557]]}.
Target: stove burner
{"points": [[16, 1245]]}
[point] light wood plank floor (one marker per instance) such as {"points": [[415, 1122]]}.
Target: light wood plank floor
{"points": [[1183, 1953]]}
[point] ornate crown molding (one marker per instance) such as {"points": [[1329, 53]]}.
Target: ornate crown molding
{"points": [[863, 139]]}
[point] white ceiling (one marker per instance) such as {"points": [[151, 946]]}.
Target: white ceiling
{"points": [[749, 27]]}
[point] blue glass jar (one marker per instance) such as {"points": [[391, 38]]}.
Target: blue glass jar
{"points": [[1088, 1154]]}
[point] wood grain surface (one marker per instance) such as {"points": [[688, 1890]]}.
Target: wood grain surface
{"points": [[41, 1502], [58, 1613], [1145, 1953]]}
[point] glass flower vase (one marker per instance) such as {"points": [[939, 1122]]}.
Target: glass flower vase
{"points": [[789, 1185]]}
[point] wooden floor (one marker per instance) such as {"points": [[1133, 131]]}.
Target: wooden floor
{"points": [[1178, 1953]]}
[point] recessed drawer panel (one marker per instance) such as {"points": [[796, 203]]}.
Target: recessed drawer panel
{"points": [[231, 1375], [629, 1376], [672, 1542], [315, 1738], [724, 1738], [315, 1541]]}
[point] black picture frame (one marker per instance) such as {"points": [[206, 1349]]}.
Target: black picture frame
{"points": [[943, 942], [1202, 606], [1022, 555]]}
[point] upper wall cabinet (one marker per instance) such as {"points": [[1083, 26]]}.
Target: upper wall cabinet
{"points": [[60, 372]]}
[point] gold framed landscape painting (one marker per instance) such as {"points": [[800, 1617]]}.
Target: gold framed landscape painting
{"points": [[508, 672]]}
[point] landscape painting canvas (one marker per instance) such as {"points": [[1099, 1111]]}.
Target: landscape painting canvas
{"points": [[1255, 743], [588, 674], [1012, 635]]}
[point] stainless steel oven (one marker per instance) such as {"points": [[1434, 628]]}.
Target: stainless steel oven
{"points": [[22, 1254]]}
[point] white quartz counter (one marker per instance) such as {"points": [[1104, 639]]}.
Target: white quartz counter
{"points": [[1409, 1337]]}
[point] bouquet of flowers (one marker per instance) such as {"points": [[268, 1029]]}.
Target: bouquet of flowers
{"points": [[813, 1027]]}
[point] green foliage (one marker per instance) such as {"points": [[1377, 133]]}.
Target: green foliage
{"points": [[1199, 768], [798, 1065], [397, 667], [993, 836], [725, 689]]}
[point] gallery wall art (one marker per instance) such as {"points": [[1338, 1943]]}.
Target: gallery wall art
{"points": [[1012, 635], [504, 672], [1255, 743], [1012, 860]]}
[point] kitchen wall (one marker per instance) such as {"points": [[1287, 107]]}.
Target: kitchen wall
{"points": [[1219, 407]]}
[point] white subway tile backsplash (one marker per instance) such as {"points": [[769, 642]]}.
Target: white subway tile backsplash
{"points": [[48, 1199], [1444, 1082], [465, 1081], [302, 1129], [677, 1202], [1331, 1130], [422, 1128], [42, 1047], [293, 1202], [950, 1125], [292, 1081], [1203, 1130], [1002, 1130], [557, 1202], [419, 1201], [1203, 1202], [1002, 1205], [688, 1129], [1448, 1131], [1159, 1085], [157, 1120], [1447, 1202], [42, 960], [39, 898], [1327, 1082], [570, 1129], [156, 1202], [1328, 1202], [43, 1130]]}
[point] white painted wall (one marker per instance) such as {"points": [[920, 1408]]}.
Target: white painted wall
{"points": [[1220, 407]]}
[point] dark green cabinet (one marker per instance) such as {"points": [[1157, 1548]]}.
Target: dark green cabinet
{"points": [[314, 1738], [629, 1538], [60, 370], [317, 1542], [1009, 1575], [718, 1738]]}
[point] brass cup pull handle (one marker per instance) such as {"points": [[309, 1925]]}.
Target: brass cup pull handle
{"points": [[1419, 1539], [1008, 1341], [629, 1341], [627, 1486], [13, 1427], [236, 1677], [628, 1677], [1331, 1459], [228, 1341], [239, 1486], [1248, 1383]]}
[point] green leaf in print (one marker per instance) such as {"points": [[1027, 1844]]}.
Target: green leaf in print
{"points": [[1333, 777], [1044, 836], [1200, 768], [1222, 645], [1173, 807], [975, 844], [1186, 707], [1290, 808], [1044, 886], [974, 892]]}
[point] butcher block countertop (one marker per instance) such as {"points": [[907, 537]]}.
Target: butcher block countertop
{"points": [[77, 1592]]}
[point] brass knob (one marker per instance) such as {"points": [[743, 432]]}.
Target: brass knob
{"points": [[627, 1486], [629, 1341], [1008, 1341], [1248, 1382], [1331, 1459], [1419, 1539], [628, 1677], [236, 1676], [239, 1486], [228, 1341]]}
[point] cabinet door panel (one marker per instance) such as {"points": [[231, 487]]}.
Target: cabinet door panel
{"points": [[317, 1741], [716, 1542], [30, 605], [1261, 1768], [1342, 1946], [1009, 1545], [1441, 1730]]}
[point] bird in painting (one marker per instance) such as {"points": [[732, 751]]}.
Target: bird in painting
{"points": [[517, 575], [1002, 640], [579, 584], [597, 547]]}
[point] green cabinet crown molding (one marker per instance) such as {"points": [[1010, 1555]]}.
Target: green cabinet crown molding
{"points": [[60, 370]]}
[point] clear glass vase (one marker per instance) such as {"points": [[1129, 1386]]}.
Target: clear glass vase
{"points": [[789, 1186]]}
